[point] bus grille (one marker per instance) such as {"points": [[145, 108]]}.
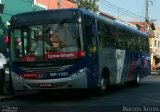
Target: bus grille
{"points": [[44, 69]]}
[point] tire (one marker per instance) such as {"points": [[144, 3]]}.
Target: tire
{"points": [[104, 84], [2, 81], [137, 81]]}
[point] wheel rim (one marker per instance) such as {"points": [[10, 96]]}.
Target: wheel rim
{"points": [[103, 84], [138, 79]]}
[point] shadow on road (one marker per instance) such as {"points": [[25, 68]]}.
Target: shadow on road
{"points": [[151, 84]]}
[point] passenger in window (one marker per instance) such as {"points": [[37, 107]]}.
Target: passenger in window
{"points": [[56, 44], [18, 47], [38, 46]]}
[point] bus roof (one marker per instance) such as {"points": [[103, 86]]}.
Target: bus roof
{"points": [[120, 25], [49, 10], [114, 23], [42, 16]]}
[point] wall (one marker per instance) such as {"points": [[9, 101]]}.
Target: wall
{"points": [[16, 6], [53, 4]]}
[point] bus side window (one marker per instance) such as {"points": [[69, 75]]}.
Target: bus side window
{"points": [[90, 30], [146, 44], [91, 33], [101, 34], [107, 35], [130, 41], [121, 39], [141, 43], [111, 36], [136, 41]]}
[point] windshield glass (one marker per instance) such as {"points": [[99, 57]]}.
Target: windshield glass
{"points": [[45, 42]]}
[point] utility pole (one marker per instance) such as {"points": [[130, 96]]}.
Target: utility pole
{"points": [[146, 15], [33, 5], [59, 3], [146, 11]]}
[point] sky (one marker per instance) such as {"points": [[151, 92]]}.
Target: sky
{"points": [[131, 10]]}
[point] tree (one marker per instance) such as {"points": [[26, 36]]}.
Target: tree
{"points": [[87, 4]]}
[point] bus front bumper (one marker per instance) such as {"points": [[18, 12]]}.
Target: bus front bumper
{"points": [[78, 80]]}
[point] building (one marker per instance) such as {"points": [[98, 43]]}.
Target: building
{"points": [[12, 7], [139, 25], [156, 48], [54, 4]]}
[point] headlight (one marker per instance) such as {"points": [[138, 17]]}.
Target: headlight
{"points": [[78, 73], [19, 77]]}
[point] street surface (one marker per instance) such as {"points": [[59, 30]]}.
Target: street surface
{"points": [[120, 98]]}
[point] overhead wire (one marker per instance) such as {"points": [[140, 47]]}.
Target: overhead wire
{"points": [[119, 10], [122, 10]]}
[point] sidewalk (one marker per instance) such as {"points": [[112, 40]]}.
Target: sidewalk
{"points": [[8, 96], [5, 97], [155, 72]]}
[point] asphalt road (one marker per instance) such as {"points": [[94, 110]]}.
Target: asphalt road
{"points": [[120, 98]]}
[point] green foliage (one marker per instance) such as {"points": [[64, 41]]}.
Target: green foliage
{"points": [[88, 5]]}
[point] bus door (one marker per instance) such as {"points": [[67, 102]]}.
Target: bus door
{"points": [[107, 36], [20, 38], [91, 46]]}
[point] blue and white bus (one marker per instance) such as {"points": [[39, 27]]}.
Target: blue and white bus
{"points": [[96, 51]]}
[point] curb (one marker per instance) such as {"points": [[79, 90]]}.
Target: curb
{"points": [[12, 97], [4, 98], [154, 73]]}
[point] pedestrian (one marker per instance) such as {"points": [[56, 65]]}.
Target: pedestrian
{"points": [[3, 62]]}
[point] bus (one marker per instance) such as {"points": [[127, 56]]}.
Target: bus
{"points": [[96, 51]]}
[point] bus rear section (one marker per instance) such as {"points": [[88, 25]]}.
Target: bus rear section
{"points": [[123, 52]]}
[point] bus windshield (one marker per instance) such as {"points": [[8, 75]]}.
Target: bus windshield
{"points": [[45, 42]]}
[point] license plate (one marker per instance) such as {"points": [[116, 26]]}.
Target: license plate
{"points": [[45, 85]]}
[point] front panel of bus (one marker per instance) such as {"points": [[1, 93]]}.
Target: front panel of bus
{"points": [[48, 53]]}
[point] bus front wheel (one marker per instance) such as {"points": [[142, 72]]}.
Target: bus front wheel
{"points": [[104, 84]]}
